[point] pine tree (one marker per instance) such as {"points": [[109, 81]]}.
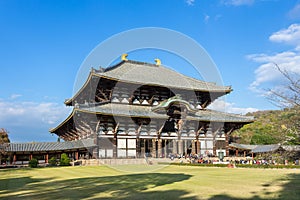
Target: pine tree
{"points": [[4, 141]]}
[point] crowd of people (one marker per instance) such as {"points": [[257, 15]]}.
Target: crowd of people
{"points": [[194, 158]]}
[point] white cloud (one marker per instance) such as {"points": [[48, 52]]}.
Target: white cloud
{"points": [[206, 18], [223, 106], [190, 2], [291, 35], [267, 72], [30, 114], [289, 60], [295, 12], [238, 2], [15, 96]]}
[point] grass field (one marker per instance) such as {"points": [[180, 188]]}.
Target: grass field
{"points": [[170, 182]]}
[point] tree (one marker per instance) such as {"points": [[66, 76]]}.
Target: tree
{"points": [[64, 160], [271, 127], [33, 163], [289, 95], [52, 162], [4, 142]]}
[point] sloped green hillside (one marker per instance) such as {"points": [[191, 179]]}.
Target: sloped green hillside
{"points": [[272, 127]]}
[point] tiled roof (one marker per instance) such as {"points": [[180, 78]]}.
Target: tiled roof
{"points": [[151, 74], [118, 109], [242, 146], [123, 110], [265, 148], [49, 146], [146, 111]]}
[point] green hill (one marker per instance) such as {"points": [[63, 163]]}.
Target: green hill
{"points": [[272, 127]]}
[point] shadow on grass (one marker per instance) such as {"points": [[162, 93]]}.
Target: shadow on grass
{"points": [[133, 186], [290, 190]]}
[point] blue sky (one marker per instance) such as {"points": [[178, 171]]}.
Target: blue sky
{"points": [[43, 44]]}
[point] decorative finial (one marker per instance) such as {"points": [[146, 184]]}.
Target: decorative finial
{"points": [[124, 57], [158, 62]]}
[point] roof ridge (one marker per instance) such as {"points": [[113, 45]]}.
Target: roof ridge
{"points": [[109, 68], [142, 63]]}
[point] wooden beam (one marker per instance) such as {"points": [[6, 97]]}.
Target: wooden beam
{"points": [[99, 98], [87, 125], [204, 104], [97, 126], [160, 130], [116, 128], [139, 130], [69, 136], [103, 94], [74, 134], [83, 128], [200, 129]]}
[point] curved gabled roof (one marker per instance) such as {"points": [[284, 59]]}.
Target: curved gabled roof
{"points": [[158, 75], [150, 74], [127, 110]]}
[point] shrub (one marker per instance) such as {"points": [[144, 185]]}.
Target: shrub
{"points": [[33, 163], [64, 160], [52, 161]]}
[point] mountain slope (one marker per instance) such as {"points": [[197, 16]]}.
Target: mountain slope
{"points": [[272, 127]]}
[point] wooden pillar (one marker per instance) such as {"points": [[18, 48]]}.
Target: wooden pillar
{"points": [[180, 147], [193, 147], [165, 149], [185, 147], [46, 158], [236, 152], [95, 153], [174, 150], [153, 148], [76, 155], [244, 153], [214, 148], [143, 150], [138, 147], [96, 148], [227, 144], [30, 156], [126, 147], [115, 146], [14, 158], [198, 147], [159, 148]]}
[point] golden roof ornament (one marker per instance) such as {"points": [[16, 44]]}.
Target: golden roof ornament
{"points": [[158, 62], [124, 57]]}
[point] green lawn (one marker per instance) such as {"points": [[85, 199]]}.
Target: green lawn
{"points": [[170, 182]]}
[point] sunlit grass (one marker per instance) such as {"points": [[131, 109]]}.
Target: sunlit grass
{"points": [[145, 182]]}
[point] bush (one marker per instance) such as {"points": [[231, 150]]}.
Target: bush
{"points": [[64, 160], [52, 161], [33, 163]]}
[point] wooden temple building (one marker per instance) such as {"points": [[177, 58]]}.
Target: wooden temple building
{"points": [[135, 109]]}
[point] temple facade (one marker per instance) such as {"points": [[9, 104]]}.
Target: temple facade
{"points": [[135, 109]]}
